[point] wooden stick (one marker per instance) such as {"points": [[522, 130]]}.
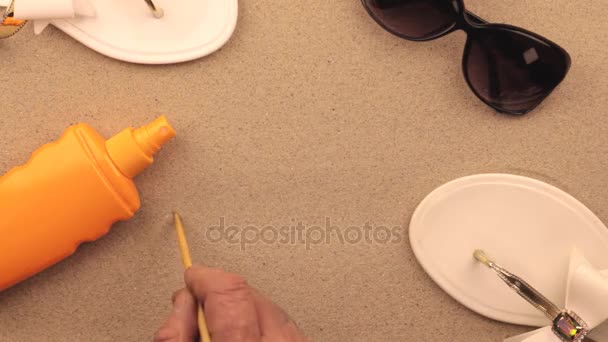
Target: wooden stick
{"points": [[187, 261], [158, 12]]}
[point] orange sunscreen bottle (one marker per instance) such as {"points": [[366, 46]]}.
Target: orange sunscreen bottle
{"points": [[71, 191]]}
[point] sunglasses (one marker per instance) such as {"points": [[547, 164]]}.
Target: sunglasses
{"points": [[510, 69]]}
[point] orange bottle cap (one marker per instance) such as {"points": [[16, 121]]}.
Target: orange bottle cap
{"points": [[132, 150]]}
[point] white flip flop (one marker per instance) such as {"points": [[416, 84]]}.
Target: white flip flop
{"points": [[128, 29], [529, 227]]}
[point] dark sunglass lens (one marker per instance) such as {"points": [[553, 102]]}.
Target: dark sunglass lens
{"points": [[513, 70], [415, 19]]}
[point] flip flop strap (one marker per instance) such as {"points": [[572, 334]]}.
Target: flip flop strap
{"points": [[586, 295]]}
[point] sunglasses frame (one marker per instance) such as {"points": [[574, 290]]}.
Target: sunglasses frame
{"points": [[470, 23]]}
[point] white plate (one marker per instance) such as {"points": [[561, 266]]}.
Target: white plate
{"points": [[527, 226]]}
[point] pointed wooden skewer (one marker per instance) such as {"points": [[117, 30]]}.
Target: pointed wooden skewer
{"points": [[187, 261]]}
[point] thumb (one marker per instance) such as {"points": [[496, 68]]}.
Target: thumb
{"points": [[228, 302]]}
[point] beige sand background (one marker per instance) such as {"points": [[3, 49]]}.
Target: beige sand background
{"points": [[310, 111]]}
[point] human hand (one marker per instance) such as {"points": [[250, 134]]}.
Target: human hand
{"points": [[234, 311]]}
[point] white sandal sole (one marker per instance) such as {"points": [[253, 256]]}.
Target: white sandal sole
{"points": [[526, 224], [127, 29]]}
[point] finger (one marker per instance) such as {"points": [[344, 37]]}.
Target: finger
{"points": [[275, 323], [228, 302], [181, 324], [270, 316]]}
